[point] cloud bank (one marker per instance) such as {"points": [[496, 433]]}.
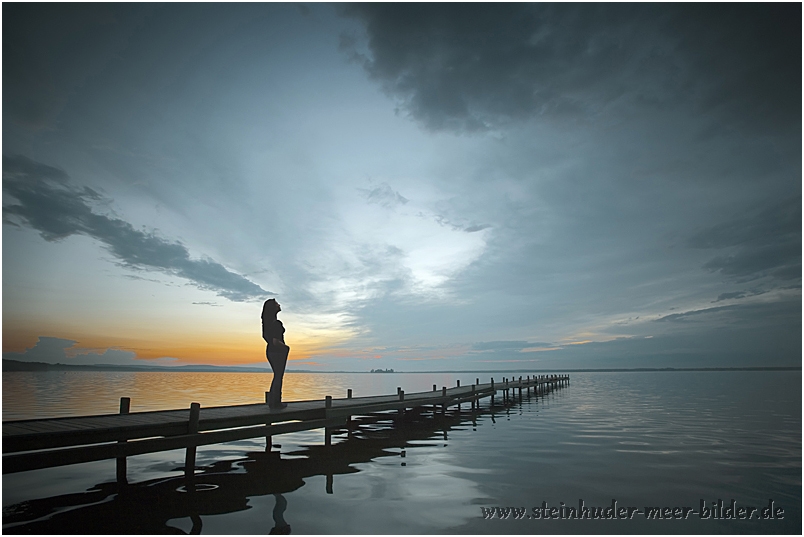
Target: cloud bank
{"points": [[479, 66], [48, 202]]}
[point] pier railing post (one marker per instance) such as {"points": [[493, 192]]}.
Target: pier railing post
{"points": [[401, 411], [349, 393], [492, 393], [444, 404], [125, 407], [327, 430], [192, 428]]}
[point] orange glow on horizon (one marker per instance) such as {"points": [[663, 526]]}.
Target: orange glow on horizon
{"points": [[207, 349]]}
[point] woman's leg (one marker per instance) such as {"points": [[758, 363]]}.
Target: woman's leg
{"points": [[278, 359]]}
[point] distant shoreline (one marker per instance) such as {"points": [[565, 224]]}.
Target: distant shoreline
{"points": [[16, 365]]}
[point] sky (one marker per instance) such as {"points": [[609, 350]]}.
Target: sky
{"points": [[421, 186]]}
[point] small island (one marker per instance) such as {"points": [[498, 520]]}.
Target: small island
{"points": [[381, 371]]}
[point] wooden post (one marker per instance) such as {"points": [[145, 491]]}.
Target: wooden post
{"points": [[192, 428], [125, 406], [349, 393], [329, 483], [444, 404], [327, 436], [327, 431], [434, 388], [491, 403], [474, 401], [401, 412], [459, 384]]}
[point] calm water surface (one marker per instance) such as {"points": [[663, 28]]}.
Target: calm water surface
{"points": [[643, 439]]}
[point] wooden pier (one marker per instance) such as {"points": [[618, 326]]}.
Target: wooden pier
{"points": [[47, 443]]}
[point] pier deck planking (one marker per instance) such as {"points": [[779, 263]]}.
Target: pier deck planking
{"points": [[33, 444]]}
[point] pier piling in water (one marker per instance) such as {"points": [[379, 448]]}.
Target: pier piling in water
{"points": [[192, 429], [125, 407]]}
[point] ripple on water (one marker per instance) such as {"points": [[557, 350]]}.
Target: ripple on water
{"points": [[643, 438]]}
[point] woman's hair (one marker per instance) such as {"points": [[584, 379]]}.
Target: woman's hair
{"points": [[269, 308]]}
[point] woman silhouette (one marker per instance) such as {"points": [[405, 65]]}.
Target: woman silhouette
{"points": [[277, 352]]}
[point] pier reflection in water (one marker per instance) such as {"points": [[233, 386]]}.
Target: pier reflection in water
{"points": [[176, 505]]}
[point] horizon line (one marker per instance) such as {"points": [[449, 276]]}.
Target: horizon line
{"points": [[18, 365]]}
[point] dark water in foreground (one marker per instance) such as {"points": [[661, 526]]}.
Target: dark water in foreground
{"points": [[643, 439]]}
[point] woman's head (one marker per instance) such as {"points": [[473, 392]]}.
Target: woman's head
{"points": [[270, 308]]}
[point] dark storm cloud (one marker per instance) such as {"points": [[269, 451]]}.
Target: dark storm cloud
{"points": [[474, 66], [50, 204], [766, 242], [50, 51]]}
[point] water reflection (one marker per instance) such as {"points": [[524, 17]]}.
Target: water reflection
{"points": [[176, 505], [49, 394]]}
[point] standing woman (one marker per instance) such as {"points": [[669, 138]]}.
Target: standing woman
{"points": [[277, 352]]}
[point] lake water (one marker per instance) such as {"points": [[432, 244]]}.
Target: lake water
{"points": [[642, 439]]}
